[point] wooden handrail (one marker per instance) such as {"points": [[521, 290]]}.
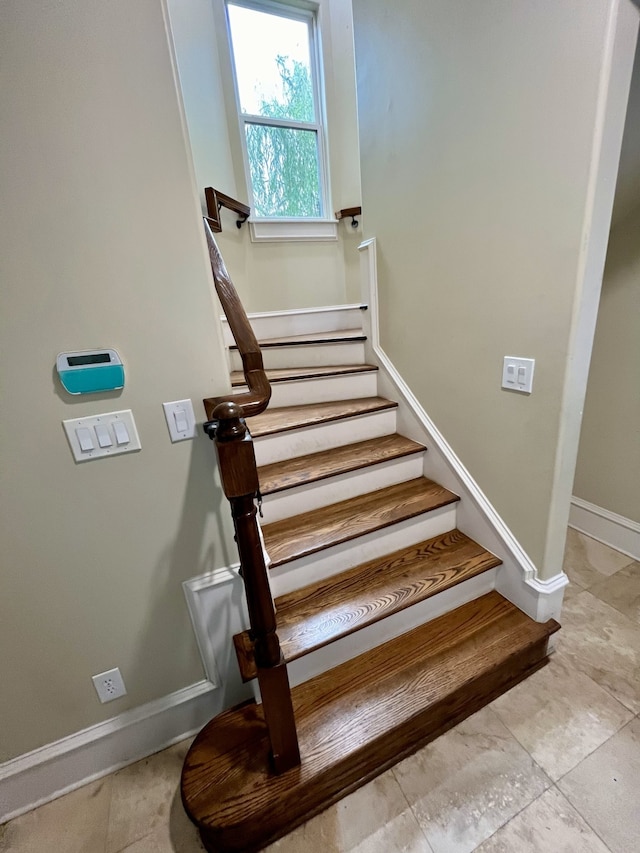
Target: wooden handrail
{"points": [[257, 398], [239, 478], [215, 200], [350, 211]]}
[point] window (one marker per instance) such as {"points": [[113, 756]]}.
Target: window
{"points": [[278, 93]]}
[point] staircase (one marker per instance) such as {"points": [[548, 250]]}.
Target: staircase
{"points": [[387, 613]]}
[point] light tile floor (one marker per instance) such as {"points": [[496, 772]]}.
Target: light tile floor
{"points": [[552, 766]]}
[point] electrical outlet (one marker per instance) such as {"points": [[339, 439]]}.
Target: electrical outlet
{"points": [[109, 685]]}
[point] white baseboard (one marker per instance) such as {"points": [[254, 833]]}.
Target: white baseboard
{"points": [[37, 777], [607, 527], [214, 601]]}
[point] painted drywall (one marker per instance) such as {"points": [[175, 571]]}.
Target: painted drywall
{"points": [[101, 245], [271, 276], [608, 469], [628, 185], [484, 131]]}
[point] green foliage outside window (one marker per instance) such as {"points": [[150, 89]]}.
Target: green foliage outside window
{"points": [[284, 161]]}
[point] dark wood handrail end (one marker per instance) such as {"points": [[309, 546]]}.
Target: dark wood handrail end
{"points": [[215, 200], [350, 211]]}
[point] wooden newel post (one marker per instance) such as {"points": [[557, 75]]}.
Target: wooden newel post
{"points": [[236, 459]]}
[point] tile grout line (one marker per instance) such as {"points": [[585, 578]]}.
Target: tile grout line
{"points": [[406, 799]]}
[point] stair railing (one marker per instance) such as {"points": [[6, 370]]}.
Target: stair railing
{"points": [[237, 462], [215, 200]]}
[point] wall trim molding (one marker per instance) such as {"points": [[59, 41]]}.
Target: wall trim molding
{"points": [[518, 579], [293, 230], [607, 527], [37, 777], [294, 312], [196, 591]]}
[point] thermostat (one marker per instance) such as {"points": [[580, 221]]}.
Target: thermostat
{"points": [[90, 371]]}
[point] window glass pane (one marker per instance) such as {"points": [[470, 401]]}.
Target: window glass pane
{"points": [[284, 171], [273, 65]]}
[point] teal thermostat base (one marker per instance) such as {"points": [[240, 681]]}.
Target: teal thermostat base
{"points": [[90, 371]]}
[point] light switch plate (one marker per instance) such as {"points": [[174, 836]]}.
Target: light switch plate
{"points": [[83, 431], [181, 419], [517, 374]]}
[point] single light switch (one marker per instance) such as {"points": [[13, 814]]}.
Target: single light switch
{"points": [[84, 439], [121, 433], [104, 436], [182, 422]]}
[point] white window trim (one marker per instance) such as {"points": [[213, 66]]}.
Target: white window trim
{"points": [[291, 230], [280, 229]]}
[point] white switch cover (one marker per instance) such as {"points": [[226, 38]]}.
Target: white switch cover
{"points": [[181, 419], [517, 374], [107, 433]]}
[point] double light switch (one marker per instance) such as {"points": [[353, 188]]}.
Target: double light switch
{"points": [[517, 374]]}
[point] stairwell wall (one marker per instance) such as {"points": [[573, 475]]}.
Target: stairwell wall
{"points": [[609, 455], [101, 245], [608, 466], [271, 276], [482, 157]]}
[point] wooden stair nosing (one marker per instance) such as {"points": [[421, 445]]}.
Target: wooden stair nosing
{"points": [[295, 374], [289, 473], [352, 726], [346, 336], [295, 537], [335, 607], [314, 616], [286, 418]]}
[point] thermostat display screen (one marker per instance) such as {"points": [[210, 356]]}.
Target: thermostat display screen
{"points": [[93, 358], [90, 371]]}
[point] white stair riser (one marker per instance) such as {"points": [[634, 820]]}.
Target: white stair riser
{"points": [[330, 561], [324, 436], [311, 496], [387, 629], [281, 325], [312, 355], [324, 389]]}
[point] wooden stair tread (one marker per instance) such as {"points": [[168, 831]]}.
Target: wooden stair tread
{"points": [[355, 721], [288, 473], [320, 613], [294, 417], [311, 338], [304, 534], [288, 374]]}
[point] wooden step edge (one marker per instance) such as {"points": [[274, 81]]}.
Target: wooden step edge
{"points": [[388, 602], [332, 595], [375, 511], [278, 477], [300, 374], [346, 336], [238, 805], [277, 420]]}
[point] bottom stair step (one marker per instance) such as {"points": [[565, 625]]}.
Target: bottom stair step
{"points": [[355, 721]]}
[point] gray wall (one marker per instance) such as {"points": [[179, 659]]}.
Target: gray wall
{"points": [[608, 470], [488, 152], [101, 245]]}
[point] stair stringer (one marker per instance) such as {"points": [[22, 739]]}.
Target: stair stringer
{"points": [[517, 579]]}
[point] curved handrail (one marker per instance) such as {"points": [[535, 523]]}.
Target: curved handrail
{"points": [[257, 398]]}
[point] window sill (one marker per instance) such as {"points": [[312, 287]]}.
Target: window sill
{"points": [[292, 230]]}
